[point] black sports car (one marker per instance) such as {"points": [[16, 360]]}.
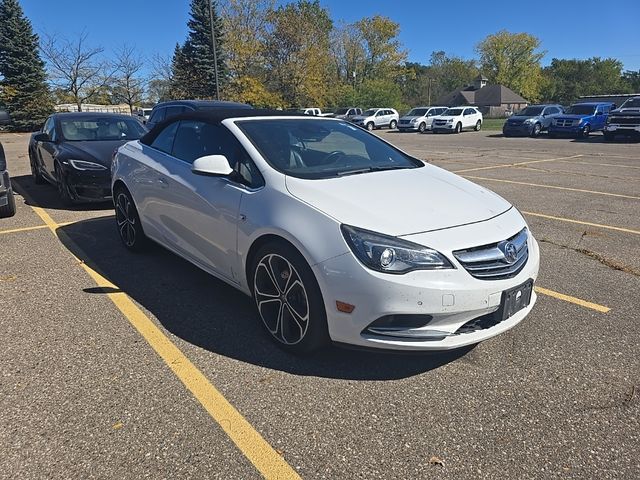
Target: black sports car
{"points": [[73, 151]]}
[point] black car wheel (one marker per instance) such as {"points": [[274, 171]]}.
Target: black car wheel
{"points": [[537, 128], [609, 137], [288, 298], [128, 221], [422, 127], [370, 126], [478, 126], [393, 124], [458, 128], [63, 188], [586, 131], [36, 176], [8, 210]]}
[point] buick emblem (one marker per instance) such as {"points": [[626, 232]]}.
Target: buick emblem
{"points": [[510, 252]]}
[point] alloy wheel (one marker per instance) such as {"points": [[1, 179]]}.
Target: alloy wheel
{"points": [[126, 220], [281, 298], [536, 130]]}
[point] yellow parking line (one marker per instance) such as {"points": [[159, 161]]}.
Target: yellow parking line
{"points": [[604, 164], [580, 222], [574, 300], [252, 445], [555, 187], [504, 165]]}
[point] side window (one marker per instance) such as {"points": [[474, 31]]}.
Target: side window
{"points": [[164, 141], [158, 115], [48, 127], [173, 111], [468, 111], [379, 113], [190, 142]]}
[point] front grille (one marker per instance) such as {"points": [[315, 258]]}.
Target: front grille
{"points": [[515, 123], [564, 122], [489, 262], [440, 122], [404, 122], [625, 120]]}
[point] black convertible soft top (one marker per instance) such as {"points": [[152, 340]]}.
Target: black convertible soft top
{"points": [[215, 116]]}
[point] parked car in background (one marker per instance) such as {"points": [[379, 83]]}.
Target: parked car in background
{"points": [[166, 110], [624, 121], [348, 113], [419, 119], [144, 114], [531, 120], [377, 118], [580, 119], [7, 200], [320, 237], [456, 119], [316, 112], [73, 151]]}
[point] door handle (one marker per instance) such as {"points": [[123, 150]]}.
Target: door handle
{"points": [[163, 182]]}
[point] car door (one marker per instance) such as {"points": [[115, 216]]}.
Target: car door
{"points": [[46, 150], [468, 118], [199, 214], [379, 118], [601, 116], [547, 116]]}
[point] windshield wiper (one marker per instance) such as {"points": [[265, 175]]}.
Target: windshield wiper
{"points": [[370, 169]]}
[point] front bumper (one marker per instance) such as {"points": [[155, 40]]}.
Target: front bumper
{"points": [[522, 129], [622, 129], [451, 297], [569, 131], [449, 127], [89, 186]]}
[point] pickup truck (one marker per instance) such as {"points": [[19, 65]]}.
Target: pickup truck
{"points": [[316, 112], [580, 119], [7, 201], [624, 120]]}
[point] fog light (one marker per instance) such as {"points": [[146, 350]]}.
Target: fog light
{"points": [[387, 257]]}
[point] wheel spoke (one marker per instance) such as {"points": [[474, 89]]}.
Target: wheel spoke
{"points": [[293, 321], [271, 279]]}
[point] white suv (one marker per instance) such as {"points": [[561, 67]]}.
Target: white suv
{"points": [[455, 119], [378, 118], [419, 119]]}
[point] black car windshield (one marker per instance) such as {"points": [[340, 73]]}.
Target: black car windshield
{"points": [[581, 110], [101, 129], [318, 149], [452, 112], [369, 113], [417, 112], [631, 103], [531, 112]]}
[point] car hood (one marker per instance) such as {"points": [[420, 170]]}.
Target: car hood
{"points": [[628, 112], [411, 117], [400, 202], [447, 117], [360, 118], [572, 116], [522, 118], [94, 151]]}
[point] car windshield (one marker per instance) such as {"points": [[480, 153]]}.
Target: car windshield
{"points": [[342, 111], [631, 103], [581, 110], [417, 112], [101, 129], [369, 113], [452, 112], [531, 111], [317, 149]]}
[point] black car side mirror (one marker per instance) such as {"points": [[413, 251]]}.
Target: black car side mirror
{"points": [[41, 137]]}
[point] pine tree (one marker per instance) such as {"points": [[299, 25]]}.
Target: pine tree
{"points": [[193, 63], [23, 88]]}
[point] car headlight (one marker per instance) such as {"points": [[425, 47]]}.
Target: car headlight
{"points": [[84, 165], [579, 121], [450, 120], [529, 120], [413, 120], [608, 120], [391, 254]]}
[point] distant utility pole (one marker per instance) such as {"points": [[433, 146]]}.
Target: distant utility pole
{"points": [[429, 90], [215, 50]]}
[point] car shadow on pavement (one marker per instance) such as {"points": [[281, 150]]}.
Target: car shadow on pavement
{"points": [[46, 196], [212, 315]]}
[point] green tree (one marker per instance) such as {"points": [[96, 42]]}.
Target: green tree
{"points": [[632, 79], [384, 57], [449, 73], [513, 60], [193, 63], [297, 53], [23, 88], [567, 80]]}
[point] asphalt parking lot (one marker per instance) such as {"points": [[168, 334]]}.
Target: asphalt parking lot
{"points": [[116, 365]]}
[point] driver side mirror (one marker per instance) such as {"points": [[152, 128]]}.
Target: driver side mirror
{"points": [[212, 166], [599, 113], [41, 137]]}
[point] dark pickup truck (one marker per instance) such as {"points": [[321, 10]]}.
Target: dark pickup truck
{"points": [[624, 120]]}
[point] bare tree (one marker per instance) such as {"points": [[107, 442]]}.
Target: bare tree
{"points": [[75, 67], [128, 85], [160, 80]]}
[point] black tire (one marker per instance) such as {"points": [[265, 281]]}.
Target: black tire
{"points": [[63, 188], [422, 127], [586, 131], [8, 210], [536, 130], [128, 221], [36, 176], [393, 124], [478, 126], [371, 126], [609, 137], [288, 299], [458, 127]]}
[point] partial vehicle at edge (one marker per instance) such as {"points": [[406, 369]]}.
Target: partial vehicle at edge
{"points": [[7, 200], [624, 121]]}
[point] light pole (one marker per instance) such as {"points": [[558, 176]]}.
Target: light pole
{"points": [[213, 46]]}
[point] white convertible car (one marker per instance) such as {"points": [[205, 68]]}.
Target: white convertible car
{"points": [[336, 234]]}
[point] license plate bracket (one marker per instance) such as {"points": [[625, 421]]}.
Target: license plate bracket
{"points": [[516, 298]]}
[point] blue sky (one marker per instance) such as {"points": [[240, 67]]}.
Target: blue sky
{"points": [[567, 28]]}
